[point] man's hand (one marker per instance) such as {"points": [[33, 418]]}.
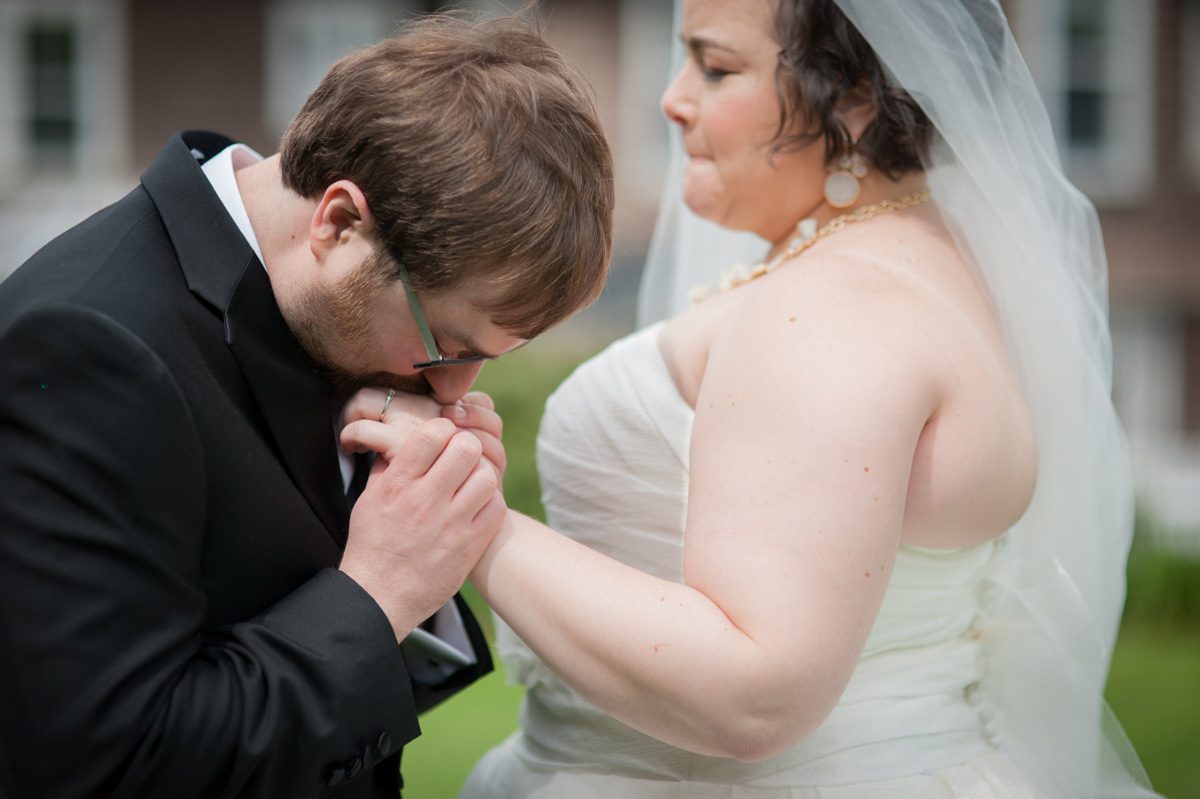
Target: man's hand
{"points": [[429, 509]]}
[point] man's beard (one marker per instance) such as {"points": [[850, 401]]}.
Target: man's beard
{"points": [[338, 321]]}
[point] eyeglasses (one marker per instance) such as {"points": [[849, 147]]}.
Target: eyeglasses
{"points": [[431, 349]]}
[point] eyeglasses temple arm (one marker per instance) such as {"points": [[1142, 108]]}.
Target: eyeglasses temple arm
{"points": [[419, 315]]}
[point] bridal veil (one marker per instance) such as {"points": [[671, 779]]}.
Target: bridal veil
{"points": [[1054, 599]]}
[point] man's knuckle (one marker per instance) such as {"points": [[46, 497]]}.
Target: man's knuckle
{"points": [[467, 445], [486, 476], [436, 431]]}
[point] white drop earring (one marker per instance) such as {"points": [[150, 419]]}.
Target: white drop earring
{"points": [[842, 187]]}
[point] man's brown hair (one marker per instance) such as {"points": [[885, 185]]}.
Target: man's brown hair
{"points": [[481, 157]]}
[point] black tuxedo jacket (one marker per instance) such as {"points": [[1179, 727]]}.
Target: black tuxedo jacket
{"points": [[171, 513]]}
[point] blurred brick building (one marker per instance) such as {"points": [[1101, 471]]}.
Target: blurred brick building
{"points": [[1122, 81], [91, 89]]}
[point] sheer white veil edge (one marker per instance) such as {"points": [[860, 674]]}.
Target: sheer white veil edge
{"points": [[1052, 607]]}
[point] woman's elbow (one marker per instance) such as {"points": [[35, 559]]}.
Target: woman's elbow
{"points": [[770, 721], [755, 739], [774, 710]]}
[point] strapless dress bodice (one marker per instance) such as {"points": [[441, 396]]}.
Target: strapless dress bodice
{"points": [[613, 454]]}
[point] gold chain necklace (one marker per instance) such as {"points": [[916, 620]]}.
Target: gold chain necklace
{"points": [[807, 234]]}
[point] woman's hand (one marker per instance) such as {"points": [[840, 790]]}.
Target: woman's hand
{"points": [[404, 412], [476, 414]]}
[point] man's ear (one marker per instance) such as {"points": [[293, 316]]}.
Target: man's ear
{"points": [[857, 109], [341, 215]]}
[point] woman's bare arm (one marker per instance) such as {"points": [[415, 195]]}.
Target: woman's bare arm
{"points": [[805, 428]]}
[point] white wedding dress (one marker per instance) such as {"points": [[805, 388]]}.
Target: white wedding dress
{"points": [[914, 720]]}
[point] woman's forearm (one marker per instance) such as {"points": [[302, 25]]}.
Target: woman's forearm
{"points": [[658, 655]]}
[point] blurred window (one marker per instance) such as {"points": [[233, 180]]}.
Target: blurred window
{"points": [[50, 58], [1086, 41], [305, 38], [1094, 62], [63, 90], [1191, 85]]}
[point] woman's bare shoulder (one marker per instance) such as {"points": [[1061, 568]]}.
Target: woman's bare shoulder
{"points": [[899, 277]]}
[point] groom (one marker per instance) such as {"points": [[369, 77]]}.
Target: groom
{"points": [[187, 607]]}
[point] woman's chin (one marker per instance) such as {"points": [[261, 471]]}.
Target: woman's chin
{"points": [[703, 191], [712, 209], [702, 202]]}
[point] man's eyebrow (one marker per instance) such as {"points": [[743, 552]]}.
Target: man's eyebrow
{"points": [[471, 349]]}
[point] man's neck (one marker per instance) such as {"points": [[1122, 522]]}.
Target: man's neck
{"points": [[279, 216]]}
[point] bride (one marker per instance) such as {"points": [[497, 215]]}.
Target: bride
{"points": [[854, 522]]}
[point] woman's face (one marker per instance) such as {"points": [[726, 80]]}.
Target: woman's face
{"points": [[725, 102]]}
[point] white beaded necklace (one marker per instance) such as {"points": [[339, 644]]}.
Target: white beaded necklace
{"points": [[807, 234]]}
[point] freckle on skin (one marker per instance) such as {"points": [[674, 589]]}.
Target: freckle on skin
{"points": [[657, 647], [791, 319], [866, 574], [866, 468]]}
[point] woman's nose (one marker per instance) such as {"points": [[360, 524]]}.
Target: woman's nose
{"points": [[676, 103], [450, 383]]}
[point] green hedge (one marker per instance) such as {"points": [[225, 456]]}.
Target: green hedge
{"points": [[519, 383], [1164, 586]]}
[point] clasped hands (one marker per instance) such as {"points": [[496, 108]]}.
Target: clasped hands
{"points": [[474, 414], [432, 502]]}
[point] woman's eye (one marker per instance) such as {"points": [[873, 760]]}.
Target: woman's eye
{"points": [[713, 74]]}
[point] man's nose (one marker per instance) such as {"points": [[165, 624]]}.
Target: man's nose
{"points": [[451, 383]]}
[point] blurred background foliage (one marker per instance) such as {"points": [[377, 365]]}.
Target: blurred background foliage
{"points": [[1153, 685]]}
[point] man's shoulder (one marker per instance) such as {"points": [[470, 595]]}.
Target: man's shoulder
{"points": [[67, 264], [118, 263]]}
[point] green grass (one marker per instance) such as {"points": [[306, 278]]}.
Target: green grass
{"points": [[1154, 685], [1154, 689], [455, 735]]}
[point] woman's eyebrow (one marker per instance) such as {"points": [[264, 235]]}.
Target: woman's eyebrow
{"points": [[699, 43]]}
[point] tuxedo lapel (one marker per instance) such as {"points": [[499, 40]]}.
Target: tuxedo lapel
{"points": [[293, 396], [220, 267]]}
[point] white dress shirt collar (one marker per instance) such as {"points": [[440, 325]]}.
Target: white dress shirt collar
{"points": [[220, 173]]}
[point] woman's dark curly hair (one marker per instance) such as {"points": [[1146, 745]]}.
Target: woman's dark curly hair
{"points": [[822, 58]]}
